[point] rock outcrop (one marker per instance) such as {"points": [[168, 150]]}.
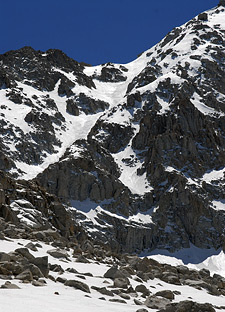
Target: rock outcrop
{"points": [[139, 147]]}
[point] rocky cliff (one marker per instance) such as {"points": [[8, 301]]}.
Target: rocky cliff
{"points": [[135, 152]]}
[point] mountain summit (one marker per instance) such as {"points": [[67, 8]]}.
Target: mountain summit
{"points": [[134, 154]]}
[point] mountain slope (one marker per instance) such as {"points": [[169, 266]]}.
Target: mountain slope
{"points": [[138, 148]]}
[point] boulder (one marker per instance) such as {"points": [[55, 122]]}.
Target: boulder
{"points": [[4, 271], [117, 300], [130, 290], [49, 233], [103, 291], [42, 264], [137, 302], [39, 235], [127, 271], [36, 272], [58, 253], [196, 283], [168, 294], [87, 274], [102, 298], [87, 247], [9, 285], [59, 244], [12, 268], [121, 282], [5, 277], [113, 273], [81, 276], [143, 289], [204, 273], [219, 281], [71, 270], [25, 253], [38, 283], [25, 276], [31, 246], [170, 278], [203, 17], [51, 278], [143, 265], [187, 306], [61, 279], [181, 269], [4, 257], [124, 296], [146, 276], [78, 285], [82, 259], [154, 302]]}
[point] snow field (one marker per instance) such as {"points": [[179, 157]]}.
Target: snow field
{"points": [[70, 300]]}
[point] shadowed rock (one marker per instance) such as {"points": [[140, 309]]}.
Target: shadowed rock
{"points": [[78, 285], [9, 285], [113, 273], [187, 306]]}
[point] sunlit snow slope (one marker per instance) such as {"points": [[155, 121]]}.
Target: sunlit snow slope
{"points": [[136, 139]]}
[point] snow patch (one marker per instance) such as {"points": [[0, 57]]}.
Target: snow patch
{"points": [[191, 255], [129, 163], [214, 175], [218, 205]]}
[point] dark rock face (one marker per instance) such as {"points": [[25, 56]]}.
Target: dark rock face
{"points": [[45, 211], [145, 142], [87, 175], [72, 108], [111, 74], [89, 105], [148, 75], [36, 67], [27, 69], [118, 136], [203, 17]]}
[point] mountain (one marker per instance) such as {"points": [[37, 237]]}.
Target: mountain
{"points": [[131, 156]]}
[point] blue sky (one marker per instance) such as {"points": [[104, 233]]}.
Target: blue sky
{"points": [[94, 31]]}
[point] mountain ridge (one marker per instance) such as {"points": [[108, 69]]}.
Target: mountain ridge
{"points": [[142, 143]]}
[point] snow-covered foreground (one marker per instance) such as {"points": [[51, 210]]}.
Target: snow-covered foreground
{"points": [[56, 297]]}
